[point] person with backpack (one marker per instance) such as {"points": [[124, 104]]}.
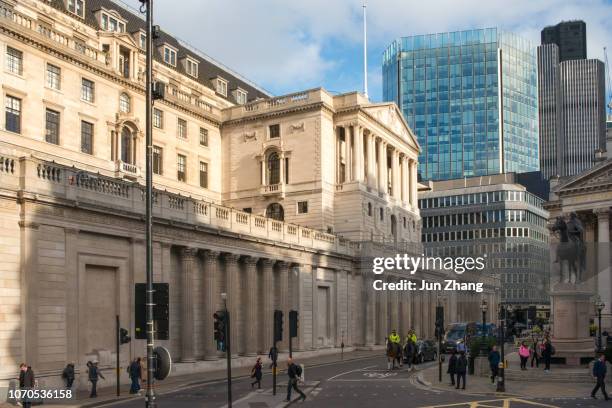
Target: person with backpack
{"points": [[547, 354], [452, 366], [294, 372], [94, 374], [599, 373], [256, 373], [461, 369], [68, 375]]}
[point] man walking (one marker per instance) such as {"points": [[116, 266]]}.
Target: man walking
{"points": [[26, 382], [452, 366], [599, 372], [135, 373], [68, 375], [494, 359], [547, 353], [94, 374], [461, 369], [294, 372]]}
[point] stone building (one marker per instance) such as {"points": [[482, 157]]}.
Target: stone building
{"points": [[266, 199]]}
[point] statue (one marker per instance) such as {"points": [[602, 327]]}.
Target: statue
{"points": [[571, 251]]}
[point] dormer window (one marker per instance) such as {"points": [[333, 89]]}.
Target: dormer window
{"points": [[169, 56], [241, 96], [191, 67], [111, 23], [221, 86], [142, 40], [76, 7]]}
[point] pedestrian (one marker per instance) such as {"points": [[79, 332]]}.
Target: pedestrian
{"points": [[27, 381], [410, 351], [94, 373], [68, 375], [547, 353], [599, 373], [256, 373], [535, 353], [524, 355], [273, 355], [135, 372], [452, 366], [494, 359], [461, 369], [294, 372]]}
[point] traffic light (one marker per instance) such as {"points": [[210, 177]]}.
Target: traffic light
{"points": [[278, 325], [439, 322], [293, 323], [123, 336], [162, 363]]}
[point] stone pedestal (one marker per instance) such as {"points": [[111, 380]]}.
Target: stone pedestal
{"points": [[572, 308]]}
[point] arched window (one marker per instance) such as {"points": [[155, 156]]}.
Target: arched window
{"points": [[276, 212], [124, 103], [126, 146], [273, 175]]}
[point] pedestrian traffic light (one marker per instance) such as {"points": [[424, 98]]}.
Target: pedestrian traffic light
{"points": [[219, 324], [123, 336], [278, 325], [439, 322], [293, 323]]}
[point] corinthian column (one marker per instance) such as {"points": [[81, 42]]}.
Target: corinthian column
{"points": [[233, 300], [396, 174], [187, 323], [404, 188], [268, 303], [210, 273], [358, 172], [283, 269], [250, 328], [382, 167], [604, 281]]}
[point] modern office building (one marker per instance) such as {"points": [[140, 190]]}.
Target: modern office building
{"points": [[609, 136], [572, 117], [570, 37], [471, 99], [497, 217]]}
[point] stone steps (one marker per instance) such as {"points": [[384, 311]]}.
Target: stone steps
{"points": [[555, 375]]}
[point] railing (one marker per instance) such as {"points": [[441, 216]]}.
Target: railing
{"points": [[47, 179], [173, 93], [127, 168], [273, 189], [277, 102]]}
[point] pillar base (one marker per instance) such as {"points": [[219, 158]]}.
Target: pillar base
{"points": [[250, 354], [188, 360], [211, 358]]}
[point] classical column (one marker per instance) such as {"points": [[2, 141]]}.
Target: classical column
{"points": [[210, 259], [233, 299], [250, 321], [394, 312], [187, 302], [396, 175], [413, 184], [383, 315], [358, 161], [283, 269], [404, 179], [268, 303], [604, 279], [370, 310], [371, 161], [349, 153], [382, 167]]}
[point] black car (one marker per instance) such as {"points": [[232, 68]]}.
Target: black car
{"points": [[426, 351]]}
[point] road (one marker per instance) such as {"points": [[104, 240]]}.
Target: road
{"points": [[362, 383]]}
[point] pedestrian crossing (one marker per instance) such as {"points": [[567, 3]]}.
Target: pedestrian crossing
{"points": [[497, 403]]}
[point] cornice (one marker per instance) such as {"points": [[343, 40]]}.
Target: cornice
{"points": [[266, 115]]}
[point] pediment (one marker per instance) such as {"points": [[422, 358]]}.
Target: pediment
{"points": [[599, 175], [390, 116]]}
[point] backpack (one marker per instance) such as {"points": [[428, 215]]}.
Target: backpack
{"points": [[298, 370]]}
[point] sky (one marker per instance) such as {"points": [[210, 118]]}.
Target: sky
{"points": [[288, 46]]}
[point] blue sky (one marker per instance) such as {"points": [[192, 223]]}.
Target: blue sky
{"points": [[290, 46]]}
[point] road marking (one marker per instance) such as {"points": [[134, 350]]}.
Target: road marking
{"points": [[352, 371], [505, 403]]}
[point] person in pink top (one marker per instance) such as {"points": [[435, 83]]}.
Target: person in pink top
{"points": [[524, 355]]}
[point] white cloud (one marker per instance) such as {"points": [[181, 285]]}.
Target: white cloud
{"points": [[288, 45]]}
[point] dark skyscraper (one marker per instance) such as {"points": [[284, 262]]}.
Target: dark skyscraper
{"points": [[570, 37]]}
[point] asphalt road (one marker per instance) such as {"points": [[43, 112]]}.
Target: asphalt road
{"points": [[356, 384]]}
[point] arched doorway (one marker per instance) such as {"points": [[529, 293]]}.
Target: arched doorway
{"points": [[276, 212], [127, 145]]}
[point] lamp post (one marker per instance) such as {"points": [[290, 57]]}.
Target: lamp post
{"points": [[484, 307], [600, 305]]}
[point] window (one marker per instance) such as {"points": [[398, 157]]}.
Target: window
{"points": [[221, 86], [248, 210], [124, 62], [158, 118], [87, 137], [14, 60], [169, 56], [181, 128], [143, 40], [87, 90], [274, 131], [191, 67], [241, 97], [76, 7], [52, 124], [110, 23], [203, 136], [275, 211], [382, 214], [13, 114], [273, 169], [203, 175], [54, 77], [157, 160], [126, 146], [124, 103], [181, 167], [370, 209], [302, 207]]}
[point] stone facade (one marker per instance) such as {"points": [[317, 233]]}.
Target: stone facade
{"points": [[72, 202]]}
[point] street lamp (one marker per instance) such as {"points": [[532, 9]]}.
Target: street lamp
{"points": [[600, 305], [483, 307], [228, 352], [501, 382]]}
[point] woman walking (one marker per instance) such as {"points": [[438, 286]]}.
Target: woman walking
{"points": [[524, 355], [256, 373]]}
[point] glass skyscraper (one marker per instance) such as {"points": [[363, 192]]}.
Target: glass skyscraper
{"points": [[450, 87]]}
